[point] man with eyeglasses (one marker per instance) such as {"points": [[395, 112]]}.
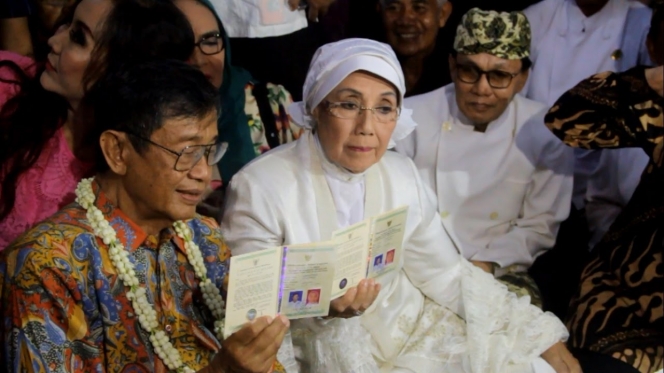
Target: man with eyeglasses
{"points": [[130, 278], [503, 183]]}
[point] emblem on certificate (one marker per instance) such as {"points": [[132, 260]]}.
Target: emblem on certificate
{"points": [[616, 55], [251, 314]]}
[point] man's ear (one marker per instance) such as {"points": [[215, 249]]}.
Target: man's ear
{"points": [[117, 149], [445, 12]]}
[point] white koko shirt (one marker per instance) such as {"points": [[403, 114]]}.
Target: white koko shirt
{"points": [[502, 193]]}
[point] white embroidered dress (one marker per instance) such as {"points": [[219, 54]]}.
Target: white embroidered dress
{"points": [[438, 313]]}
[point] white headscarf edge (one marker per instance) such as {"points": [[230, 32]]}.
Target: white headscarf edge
{"points": [[333, 62]]}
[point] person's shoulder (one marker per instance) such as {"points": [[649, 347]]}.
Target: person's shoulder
{"points": [[539, 8], [637, 6], [12, 67], [424, 100], [52, 242], [398, 166], [530, 106], [430, 106], [26, 64], [208, 236], [279, 163], [278, 94]]}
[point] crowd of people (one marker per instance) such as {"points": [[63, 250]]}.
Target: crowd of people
{"points": [[138, 154]]}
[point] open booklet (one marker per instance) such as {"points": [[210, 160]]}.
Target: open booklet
{"points": [[300, 281]]}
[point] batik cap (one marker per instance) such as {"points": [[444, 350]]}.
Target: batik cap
{"points": [[504, 35]]}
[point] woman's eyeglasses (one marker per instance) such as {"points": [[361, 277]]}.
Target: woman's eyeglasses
{"points": [[211, 43], [350, 110]]}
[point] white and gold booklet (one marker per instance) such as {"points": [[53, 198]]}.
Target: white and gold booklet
{"points": [[300, 281]]}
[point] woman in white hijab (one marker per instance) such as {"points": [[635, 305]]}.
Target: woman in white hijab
{"points": [[438, 313]]}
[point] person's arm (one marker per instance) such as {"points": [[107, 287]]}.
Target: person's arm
{"points": [[15, 36], [611, 110], [43, 307]]}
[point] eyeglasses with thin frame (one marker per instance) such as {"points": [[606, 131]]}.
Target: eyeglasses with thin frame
{"points": [[187, 158], [498, 79], [350, 110], [211, 43]]}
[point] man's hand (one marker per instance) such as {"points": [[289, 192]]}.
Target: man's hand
{"points": [[317, 8], [655, 78], [356, 300], [252, 349], [560, 359], [485, 266]]}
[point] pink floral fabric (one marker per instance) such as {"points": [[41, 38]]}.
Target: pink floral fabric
{"points": [[50, 183]]}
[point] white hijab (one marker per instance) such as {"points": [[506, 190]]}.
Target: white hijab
{"points": [[333, 62]]}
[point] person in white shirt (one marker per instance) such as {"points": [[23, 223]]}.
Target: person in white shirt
{"points": [[574, 39], [503, 182], [268, 18], [436, 312]]}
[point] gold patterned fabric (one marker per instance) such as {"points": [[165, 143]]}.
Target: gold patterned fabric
{"points": [[618, 308]]}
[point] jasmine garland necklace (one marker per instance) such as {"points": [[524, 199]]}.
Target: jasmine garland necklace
{"points": [[147, 316]]}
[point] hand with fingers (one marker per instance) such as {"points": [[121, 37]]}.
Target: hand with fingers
{"points": [[561, 360], [252, 349], [355, 301], [317, 8]]}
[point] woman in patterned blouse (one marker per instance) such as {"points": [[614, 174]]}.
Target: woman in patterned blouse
{"points": [[618, 309]]}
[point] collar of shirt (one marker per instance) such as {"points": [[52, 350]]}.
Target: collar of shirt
{"points": [[128, 232]]}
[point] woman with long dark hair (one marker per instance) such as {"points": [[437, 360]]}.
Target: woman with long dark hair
{"points": [[43, 151]]}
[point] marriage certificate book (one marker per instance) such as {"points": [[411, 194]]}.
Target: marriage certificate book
{"points": [[300, 281]]}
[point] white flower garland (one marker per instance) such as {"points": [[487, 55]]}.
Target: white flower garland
{"points": [[147, 315]]}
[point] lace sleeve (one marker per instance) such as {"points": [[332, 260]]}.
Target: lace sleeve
{"points": [[503, 331]]}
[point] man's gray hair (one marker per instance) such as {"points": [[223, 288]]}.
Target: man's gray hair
{"points": [[440, 2]]}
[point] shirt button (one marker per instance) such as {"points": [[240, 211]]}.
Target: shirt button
{"points": [[493, 215], [447, 126], [168, 328], [444, 214]]}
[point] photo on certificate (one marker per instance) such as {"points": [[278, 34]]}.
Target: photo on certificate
{"points": [[388, 230], [378, 263], [295, 299], [313, 297], [389, 257]]}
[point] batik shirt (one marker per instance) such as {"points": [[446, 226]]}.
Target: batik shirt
{"points": [[64, 309]]}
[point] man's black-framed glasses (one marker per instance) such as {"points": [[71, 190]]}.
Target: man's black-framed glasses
{"points": [[187, 158], [472, 74], [211, 43]]}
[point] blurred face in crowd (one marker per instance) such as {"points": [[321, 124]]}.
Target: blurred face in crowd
{"points": [[209, 56], [412, 25], [160, 189], [478, 100], [71, 47], [352, 138]]}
